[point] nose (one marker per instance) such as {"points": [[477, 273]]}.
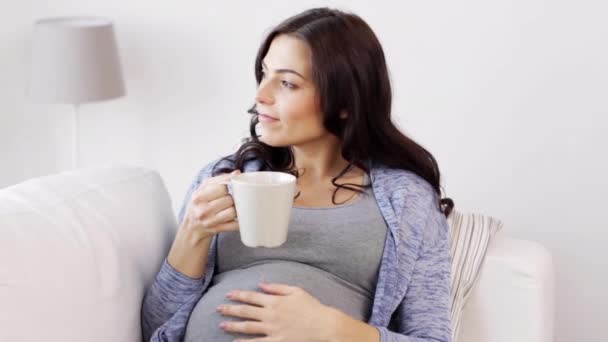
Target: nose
{"points": [[264, 93]]}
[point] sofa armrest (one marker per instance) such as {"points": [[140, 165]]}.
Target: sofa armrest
{"points": [[513, 299]]}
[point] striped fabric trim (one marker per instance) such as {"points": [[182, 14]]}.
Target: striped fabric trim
{"points": [[471, 234]]}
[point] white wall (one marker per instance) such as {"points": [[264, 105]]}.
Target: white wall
{"points": [[511, 97]]}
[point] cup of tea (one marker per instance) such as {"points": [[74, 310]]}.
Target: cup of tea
{"points": [[263, 202]]}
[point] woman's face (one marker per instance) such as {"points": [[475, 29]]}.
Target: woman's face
{"points": [[287, 94]]}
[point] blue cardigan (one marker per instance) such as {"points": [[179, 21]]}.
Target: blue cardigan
{"points": [[412, 298]]}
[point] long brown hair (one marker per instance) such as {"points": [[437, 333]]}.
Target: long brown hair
{"points": [[350, 73]]}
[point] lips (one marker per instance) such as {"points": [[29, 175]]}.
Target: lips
{"points": [[267, 117]]}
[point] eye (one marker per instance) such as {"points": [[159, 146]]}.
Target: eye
{"points": [[288, 85]]}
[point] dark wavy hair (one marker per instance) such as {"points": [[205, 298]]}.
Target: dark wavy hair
{"points": [[350, 73]]}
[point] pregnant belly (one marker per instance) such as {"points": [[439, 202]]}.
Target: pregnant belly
{"points": [[203, 325]]}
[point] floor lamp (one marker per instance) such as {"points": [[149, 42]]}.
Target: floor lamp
{"points": [[74, 60]]}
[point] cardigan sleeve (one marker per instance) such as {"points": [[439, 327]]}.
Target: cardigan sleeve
{"points": [[424, 313], [171, 290]]}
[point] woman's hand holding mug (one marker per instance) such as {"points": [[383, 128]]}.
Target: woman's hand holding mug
{"points": [[210, 210]]}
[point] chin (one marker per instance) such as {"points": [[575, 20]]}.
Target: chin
{"points": [[277, 142]]}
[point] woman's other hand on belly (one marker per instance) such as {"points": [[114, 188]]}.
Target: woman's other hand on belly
{"points": [[282, 312]]}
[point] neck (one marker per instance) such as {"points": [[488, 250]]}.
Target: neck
{"points": [[319, 160]]}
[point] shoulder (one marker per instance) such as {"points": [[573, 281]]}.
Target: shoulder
{"points": [[207, 169], [399, 184], [414, 202]]}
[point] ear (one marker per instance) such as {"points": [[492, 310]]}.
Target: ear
{"points": [[343, 114]]}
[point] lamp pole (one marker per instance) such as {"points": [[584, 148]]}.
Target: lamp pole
{"points": [[75, 138]]}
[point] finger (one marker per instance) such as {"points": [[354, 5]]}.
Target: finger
{"points": [[223, 216], [246, 327], [242, 311], [222, 227], [251, 297], [210, 192], [227, 227], [220, 179], [279, 289], [215, 187], [220, 204], [225, 179], [207, 210]]}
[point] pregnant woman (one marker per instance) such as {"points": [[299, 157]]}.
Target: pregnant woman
{"points": [[367, 255]]}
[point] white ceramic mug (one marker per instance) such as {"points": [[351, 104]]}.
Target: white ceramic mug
{"points": [[263, 202]]}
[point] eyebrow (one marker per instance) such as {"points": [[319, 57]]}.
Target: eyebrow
{"points": [[279, 71]]}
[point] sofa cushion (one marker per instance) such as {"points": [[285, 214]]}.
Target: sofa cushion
{"points": [[471, 235], [513, 298], [77, 250]]}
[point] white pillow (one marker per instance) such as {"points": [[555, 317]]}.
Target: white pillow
{"points": [[471, 235], [77, 250]]}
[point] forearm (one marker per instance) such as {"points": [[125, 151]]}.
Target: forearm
{"points": [[179, 277], [188, 254], [346, 328]]}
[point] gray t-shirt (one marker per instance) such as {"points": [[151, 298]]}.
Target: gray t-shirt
{"points": [[332, 253]]}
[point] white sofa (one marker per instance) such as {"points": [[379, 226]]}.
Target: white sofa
{"points": [[78, 249], [513, 299]]}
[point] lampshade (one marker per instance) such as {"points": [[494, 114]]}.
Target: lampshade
{"points": [[74, 60]]}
